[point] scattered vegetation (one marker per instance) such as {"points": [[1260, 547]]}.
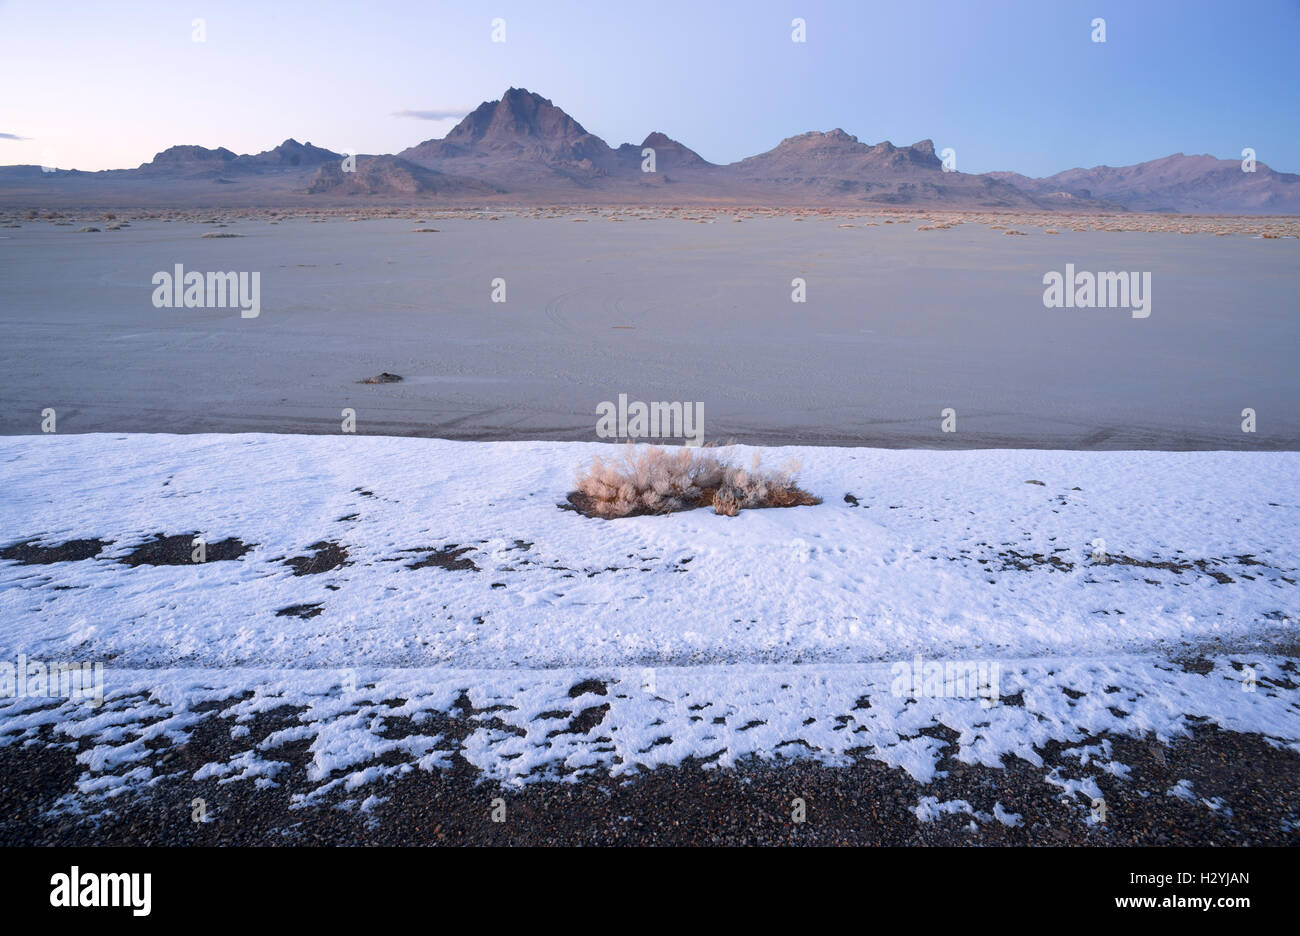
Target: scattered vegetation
{"points": [[450, 557], [654, 480], [326, 557], [181, 550], [301, 611], [31, 552]]}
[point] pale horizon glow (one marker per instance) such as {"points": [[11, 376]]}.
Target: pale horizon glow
{"points": [[1010, 85]]}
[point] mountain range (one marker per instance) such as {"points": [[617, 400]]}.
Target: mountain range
{"points": [[522, 149]]}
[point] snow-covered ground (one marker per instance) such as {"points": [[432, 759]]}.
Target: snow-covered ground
{"points": [[925, 563], [1084, 581]]}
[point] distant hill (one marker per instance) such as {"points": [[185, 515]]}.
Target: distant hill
{"points": [[199, 160], [523, 149], [522, 141], [291, 153], [190, 159], [669, 155], [1178, 183], [837, 165], [389, 175]]}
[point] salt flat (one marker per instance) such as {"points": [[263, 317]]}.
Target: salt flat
{"points": [[899, 324]]}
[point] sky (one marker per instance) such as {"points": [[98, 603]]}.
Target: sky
{"points": [[1008, 84]]}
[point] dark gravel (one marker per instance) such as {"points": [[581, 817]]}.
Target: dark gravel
{"points": [[866, 803]]}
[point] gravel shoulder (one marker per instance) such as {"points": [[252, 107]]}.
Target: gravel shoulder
{"points": [[1245, 794]]}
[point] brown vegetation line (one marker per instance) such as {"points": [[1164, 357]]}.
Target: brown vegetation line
{"points": [[656, 481], [926, 220]]}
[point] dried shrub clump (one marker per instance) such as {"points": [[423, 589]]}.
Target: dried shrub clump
{"points": [[654, 480]]}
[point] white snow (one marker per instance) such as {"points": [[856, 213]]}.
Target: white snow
{"points": [[917, 569], [706, 636], [931, 808]]}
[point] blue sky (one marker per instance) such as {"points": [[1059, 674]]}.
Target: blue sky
{"points": [[1009, 85]]}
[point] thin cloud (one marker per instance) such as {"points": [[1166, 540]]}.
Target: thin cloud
{"points": [[12, 136], [431, 114]]}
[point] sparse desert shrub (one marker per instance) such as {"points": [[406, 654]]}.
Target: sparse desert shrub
{"points": [[385, 377], [725, 503], [654, 480]]}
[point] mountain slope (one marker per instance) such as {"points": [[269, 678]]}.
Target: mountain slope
{"points": [[389, 175], [291, 154], [1178, 183], [837, 164], [524, 149], [522, 138], [669, 155]]}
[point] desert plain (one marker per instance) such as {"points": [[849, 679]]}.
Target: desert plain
{"points": [[906, 314]]}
